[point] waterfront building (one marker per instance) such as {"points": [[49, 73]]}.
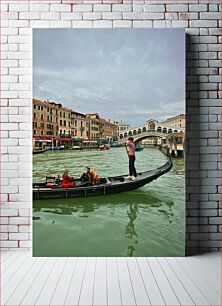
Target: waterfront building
{"points": [[177, 121], [80, 125], [51, 122], [121, 127], [108, 129], [94, 126], [51, 119]]}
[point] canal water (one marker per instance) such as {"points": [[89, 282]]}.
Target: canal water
{"points": [[149, 221]]}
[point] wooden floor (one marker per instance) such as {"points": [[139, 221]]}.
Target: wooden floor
{"points": [[110, 281]]}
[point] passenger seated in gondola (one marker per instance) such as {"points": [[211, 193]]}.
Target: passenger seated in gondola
{"points": [[87, 176], [66, 180], [97, 180]]}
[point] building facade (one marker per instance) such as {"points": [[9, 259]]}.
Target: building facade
{"points": [[80, 125], [177, 121], [121, 127], [51, 119], [94, 126], [108, 129]]}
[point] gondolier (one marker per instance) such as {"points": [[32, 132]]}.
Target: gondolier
{"points": [[132, 158]]}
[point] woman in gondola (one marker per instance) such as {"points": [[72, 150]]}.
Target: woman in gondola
{"points": [[66, 180]]}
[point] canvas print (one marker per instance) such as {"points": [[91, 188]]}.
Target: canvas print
{"points": [[108, 142]]}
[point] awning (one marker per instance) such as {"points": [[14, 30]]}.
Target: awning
{"points": [[63, 139], [43, 140], [52, 138], [90, 141]]}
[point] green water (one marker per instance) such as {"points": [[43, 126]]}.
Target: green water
{"points": [[149, 221]]}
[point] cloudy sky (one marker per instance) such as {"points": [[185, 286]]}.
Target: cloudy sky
{"points": [[123, 74]]}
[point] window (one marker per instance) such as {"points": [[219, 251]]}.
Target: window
{"points": [[34, 132], [34, 125], [47, 109], [64, 114], [42, 117], [42, 108], [34, 115], [42, 132], [39, 107], [42, 125], [35, 106], [60, 122], [60, 114], [64, 123]]}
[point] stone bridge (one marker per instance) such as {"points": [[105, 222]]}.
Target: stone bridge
{"points": [[152, 128], [139, 137]]}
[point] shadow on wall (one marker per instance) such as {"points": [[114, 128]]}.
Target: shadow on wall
{"points": [[193, 141]]}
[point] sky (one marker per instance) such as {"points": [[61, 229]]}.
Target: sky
{"points": [[123, 74]]}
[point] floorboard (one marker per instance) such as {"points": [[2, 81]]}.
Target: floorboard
{"points": [[165, 286], [63, 284], [86, 294], [75, 286], [28, 280], [113, 285], [207, 291], [100, 282], [191, 287], [153, 290], [127, 292], [49, 287]]}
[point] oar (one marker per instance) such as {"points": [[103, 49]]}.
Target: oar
{"points": [[126, 149]]}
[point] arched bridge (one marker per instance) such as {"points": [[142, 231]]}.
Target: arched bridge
{"points": [[152, 128], [139, 137]]}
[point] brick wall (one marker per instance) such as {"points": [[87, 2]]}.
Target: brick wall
{"points": [[201, 18]]}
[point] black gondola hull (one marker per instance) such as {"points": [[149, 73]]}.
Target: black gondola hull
{"points": [[114, 185], [39, 151]]}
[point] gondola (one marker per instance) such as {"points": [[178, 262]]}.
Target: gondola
{"points": [[138, 148], [109, 185], [40, 151]]}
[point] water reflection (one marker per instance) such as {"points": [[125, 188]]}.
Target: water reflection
{"points": [[143, 222], [86, 208], [130, 231]]}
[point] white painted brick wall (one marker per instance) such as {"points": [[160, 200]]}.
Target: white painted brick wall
{"points": [[201, 18]]}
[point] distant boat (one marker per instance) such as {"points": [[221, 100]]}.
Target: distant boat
{"points": [[76, 148], [104, 148], [138, 148], [57, 148], [39, 151]]}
